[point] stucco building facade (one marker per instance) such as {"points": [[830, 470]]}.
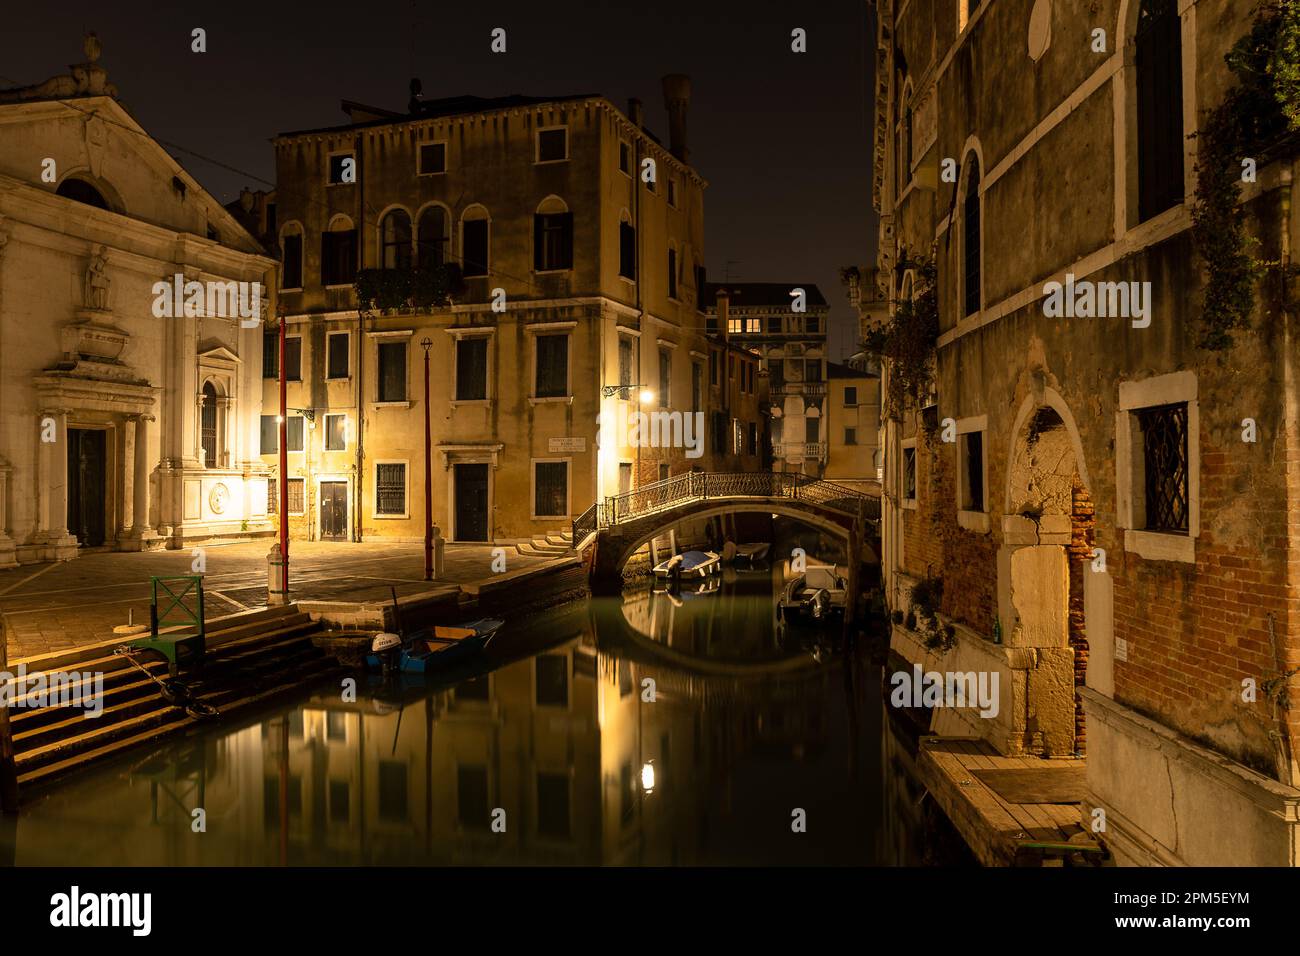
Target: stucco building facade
{"points": [[567, 245], [1112, 506]]}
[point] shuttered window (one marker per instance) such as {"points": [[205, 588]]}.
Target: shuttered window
{"points": [[475, 253], [392, 371], [552, 366], [551, 489], [552, 241]]}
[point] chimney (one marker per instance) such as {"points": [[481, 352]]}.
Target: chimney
{"points": [[635, 113], [724, 303], [677, 99]]}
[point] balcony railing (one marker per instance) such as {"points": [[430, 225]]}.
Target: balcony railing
{"points": [[407, 290], [799, 449], [811, 389]]}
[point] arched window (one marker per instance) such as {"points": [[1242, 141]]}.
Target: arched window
{"points": [[291, 256], [552, 236], [971, 236], [209, 425], [338, 252], [475, 241], [1159, 107], [395, 240], [432, 237], [78, 190]]}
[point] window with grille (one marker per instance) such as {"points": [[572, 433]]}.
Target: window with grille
{"points": [[972, 449], [552, 366], [390, 488], [909, 473], [551, 489], [296, 487], [1164, 457], [471, 369], [209, 423], [272, 496], [392, 371], [971, 239], [1159, 107]]}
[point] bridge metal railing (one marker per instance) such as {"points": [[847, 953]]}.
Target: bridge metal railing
{"points": [[704, 486]]}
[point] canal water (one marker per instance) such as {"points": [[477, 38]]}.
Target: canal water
{"points": [[652, 729]]}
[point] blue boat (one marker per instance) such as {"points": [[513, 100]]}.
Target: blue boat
{"points": [[689, 564], [428, 650]]}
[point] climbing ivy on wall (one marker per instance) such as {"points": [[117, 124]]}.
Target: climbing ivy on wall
{"points": [[1255, 114], [907, 341]]}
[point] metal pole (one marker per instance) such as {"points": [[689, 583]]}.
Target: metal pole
{"points": [[428, 473], [284, 465]]}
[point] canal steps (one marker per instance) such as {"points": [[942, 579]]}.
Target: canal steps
{"points": [[251, 658], [552, 545]]}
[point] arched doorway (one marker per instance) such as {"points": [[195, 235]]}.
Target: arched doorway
{"points": [[1046, 565]]}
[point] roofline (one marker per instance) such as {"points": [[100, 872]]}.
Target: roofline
{"points": [[597, 99]]}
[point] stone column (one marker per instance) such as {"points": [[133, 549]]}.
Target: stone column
{"points": [[8, 559], [54, 513], [130, 436], [140, 502]]}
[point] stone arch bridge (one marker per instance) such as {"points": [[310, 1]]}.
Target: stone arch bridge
{"points": [[615, 528]]}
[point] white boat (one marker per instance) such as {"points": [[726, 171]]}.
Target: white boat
{"points": [[750, 554], [689, 564], [817, 592]]}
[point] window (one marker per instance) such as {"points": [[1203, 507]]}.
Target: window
{"points": [[624, 477], [395, 240], [340, 801], [78, 190], [665, 376], [812, 430], [627, 250], [850, 395], [737, 437], [552, 237], [812, 370], [552, 145], [392, 371], [475, 242], [625, 158], [433, 158], [773, 324], [336, 438], [665, 471], [776, 371], [1159, 107], [552, 379], [338, 254], [735, 325], [813, 324], [208, 420], [294, 433], [672, 273], [296, 488], [342, 165], [291, 259], [552, 675], [1164, 468], [850, 436], [553, 805], [390, 488], [272, 496], [432, 238], [472, 810], [340, 361], [471, 369], [971, 238], [972, 471], [697, 387], [270, 444], [271, 355], [672, 192], [550, 489], [393, 790], [909, 474], [625, 367]]}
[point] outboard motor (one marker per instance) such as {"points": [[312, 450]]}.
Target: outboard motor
{"points": [[388, 648]]}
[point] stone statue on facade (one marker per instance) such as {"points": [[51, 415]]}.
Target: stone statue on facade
{"points": [[95, 292]]}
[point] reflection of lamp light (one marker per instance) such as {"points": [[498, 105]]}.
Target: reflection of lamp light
{"points": [[648, 777]]}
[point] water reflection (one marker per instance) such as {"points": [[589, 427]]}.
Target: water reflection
{"points": [[654, 729]]}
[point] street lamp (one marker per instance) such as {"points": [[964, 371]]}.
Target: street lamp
{"points": [[426, 342], [646, 394]]}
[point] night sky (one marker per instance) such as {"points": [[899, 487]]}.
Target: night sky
{"points": [[782, 138]]}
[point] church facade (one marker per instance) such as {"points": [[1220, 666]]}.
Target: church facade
{"points": [[131, 306]]}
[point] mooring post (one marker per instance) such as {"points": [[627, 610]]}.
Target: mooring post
{"points": [[8, 772]]}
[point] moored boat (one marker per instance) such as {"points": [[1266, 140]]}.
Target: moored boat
{"points": [[689, 564]]}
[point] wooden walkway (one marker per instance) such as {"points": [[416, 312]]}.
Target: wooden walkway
{"points": [[961, 774]]}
